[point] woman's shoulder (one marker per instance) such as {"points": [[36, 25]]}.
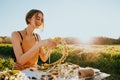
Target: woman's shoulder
{"points": [[16, 34]]}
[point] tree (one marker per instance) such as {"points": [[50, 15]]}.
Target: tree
{"points": [[1, 40]]}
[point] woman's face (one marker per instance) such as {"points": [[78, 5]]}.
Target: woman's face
{"points": [[37, 20]]}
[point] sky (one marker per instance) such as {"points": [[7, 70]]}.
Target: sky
{"points": [[64, 18]]}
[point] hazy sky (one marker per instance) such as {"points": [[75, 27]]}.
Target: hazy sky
{"points": [[64, 18]]}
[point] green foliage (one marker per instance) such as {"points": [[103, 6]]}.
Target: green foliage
{"points": [[6, 63], [56, 54], [5, 50], [110, 62]]}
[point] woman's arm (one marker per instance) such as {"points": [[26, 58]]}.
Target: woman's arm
{"points": [[44, 56], [49, 43], [21, 57]]}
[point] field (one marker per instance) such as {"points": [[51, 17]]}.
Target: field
{"points": [[104, 57]]}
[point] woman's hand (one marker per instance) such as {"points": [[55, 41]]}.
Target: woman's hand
{"points": [[51, 43], [45, 48]]}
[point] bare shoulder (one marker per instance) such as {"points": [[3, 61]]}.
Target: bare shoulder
{"points": [[15, 37], [14, 34]]}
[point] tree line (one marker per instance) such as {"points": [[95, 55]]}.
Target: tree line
{"points": [[105, 41], [5, 39], [74, 40]]}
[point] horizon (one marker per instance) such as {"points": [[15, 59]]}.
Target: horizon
{"points": [[79, 40]]}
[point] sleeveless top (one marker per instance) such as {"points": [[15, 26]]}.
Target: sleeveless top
{"points": [[26, 44]]}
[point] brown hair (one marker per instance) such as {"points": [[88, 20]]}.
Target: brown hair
{"points": [[30, 15]]}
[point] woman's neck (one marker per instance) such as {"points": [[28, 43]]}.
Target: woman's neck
{"points": [[29, 30]]}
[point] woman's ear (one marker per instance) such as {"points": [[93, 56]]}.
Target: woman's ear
{"points": [[29, 20]]}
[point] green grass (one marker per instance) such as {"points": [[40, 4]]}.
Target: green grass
{"points": [[6, 63], [5, 44]]}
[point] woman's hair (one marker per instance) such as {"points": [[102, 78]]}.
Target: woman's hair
{"points": [[31, 13]]}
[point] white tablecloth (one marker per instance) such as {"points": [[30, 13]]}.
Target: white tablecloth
{"points": [[37, 74]]}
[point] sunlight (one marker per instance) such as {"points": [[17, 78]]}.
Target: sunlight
{"points": [[85, 39]]}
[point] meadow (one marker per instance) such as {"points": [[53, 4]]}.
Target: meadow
{"points": [[103, 57]]}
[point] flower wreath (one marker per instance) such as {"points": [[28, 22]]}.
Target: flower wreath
{"points": [[60, 42]]}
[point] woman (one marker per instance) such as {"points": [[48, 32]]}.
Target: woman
{"points": [[27, 45]]}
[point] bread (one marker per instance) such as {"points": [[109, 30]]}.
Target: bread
{"points": [[85, 73]]}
